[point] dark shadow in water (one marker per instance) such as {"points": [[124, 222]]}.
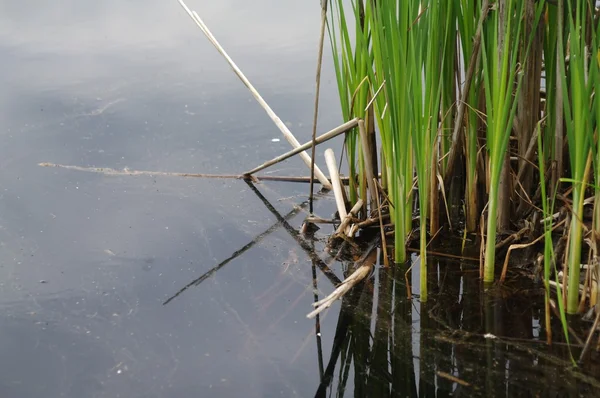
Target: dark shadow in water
{"points": [[303, 243], [281, 221], [340, 340], [257, 239], [349, 327], [462, 342], [317, 318]]}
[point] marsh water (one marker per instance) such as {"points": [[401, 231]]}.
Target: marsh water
{"points": [[108, 285]]}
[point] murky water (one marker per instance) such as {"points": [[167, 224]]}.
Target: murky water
{"points": [[87, 261]]}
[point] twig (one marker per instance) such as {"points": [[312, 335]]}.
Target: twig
{"points": [[381, 191], [522, 246], [589, 338], [316, 110], [512, 238], [278, 122], [318, 140], [453, 379]]}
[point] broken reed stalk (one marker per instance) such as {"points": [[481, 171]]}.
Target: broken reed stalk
{"points": [[364, 266], [318, 140], [335, 181], [346, 221], [361, 273], [316, 109], [278, 122]]}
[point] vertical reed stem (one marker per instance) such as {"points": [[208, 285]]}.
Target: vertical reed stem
{"points": [[316, 108]]}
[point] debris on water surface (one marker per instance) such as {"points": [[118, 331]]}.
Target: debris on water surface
{"points": [[275, 140], [489, 336], [308, 229]]}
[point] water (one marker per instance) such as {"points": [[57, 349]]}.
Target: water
{"points": [[87, 261]]}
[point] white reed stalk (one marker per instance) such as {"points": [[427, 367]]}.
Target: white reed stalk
{"points": [[361, 273], [278, 122], [320, 139], [343, 228], [335, 180]]}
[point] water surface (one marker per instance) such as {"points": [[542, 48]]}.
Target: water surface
{"points": [[87, 260]]}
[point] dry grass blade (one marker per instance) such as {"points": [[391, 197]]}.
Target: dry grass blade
{"points": [[522, 246]]}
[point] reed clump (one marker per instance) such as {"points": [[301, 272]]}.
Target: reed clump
{"points": [[476, 117], [486, 115]]}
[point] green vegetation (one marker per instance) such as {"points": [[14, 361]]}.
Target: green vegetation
{"points": [[460, 92]]}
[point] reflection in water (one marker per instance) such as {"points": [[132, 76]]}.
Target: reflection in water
{"points": [[134, 84], [303, 243], [457, 344], [281, 221], [239, 252]]}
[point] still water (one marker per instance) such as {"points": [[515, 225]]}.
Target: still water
{"points": [[87, 260]]}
